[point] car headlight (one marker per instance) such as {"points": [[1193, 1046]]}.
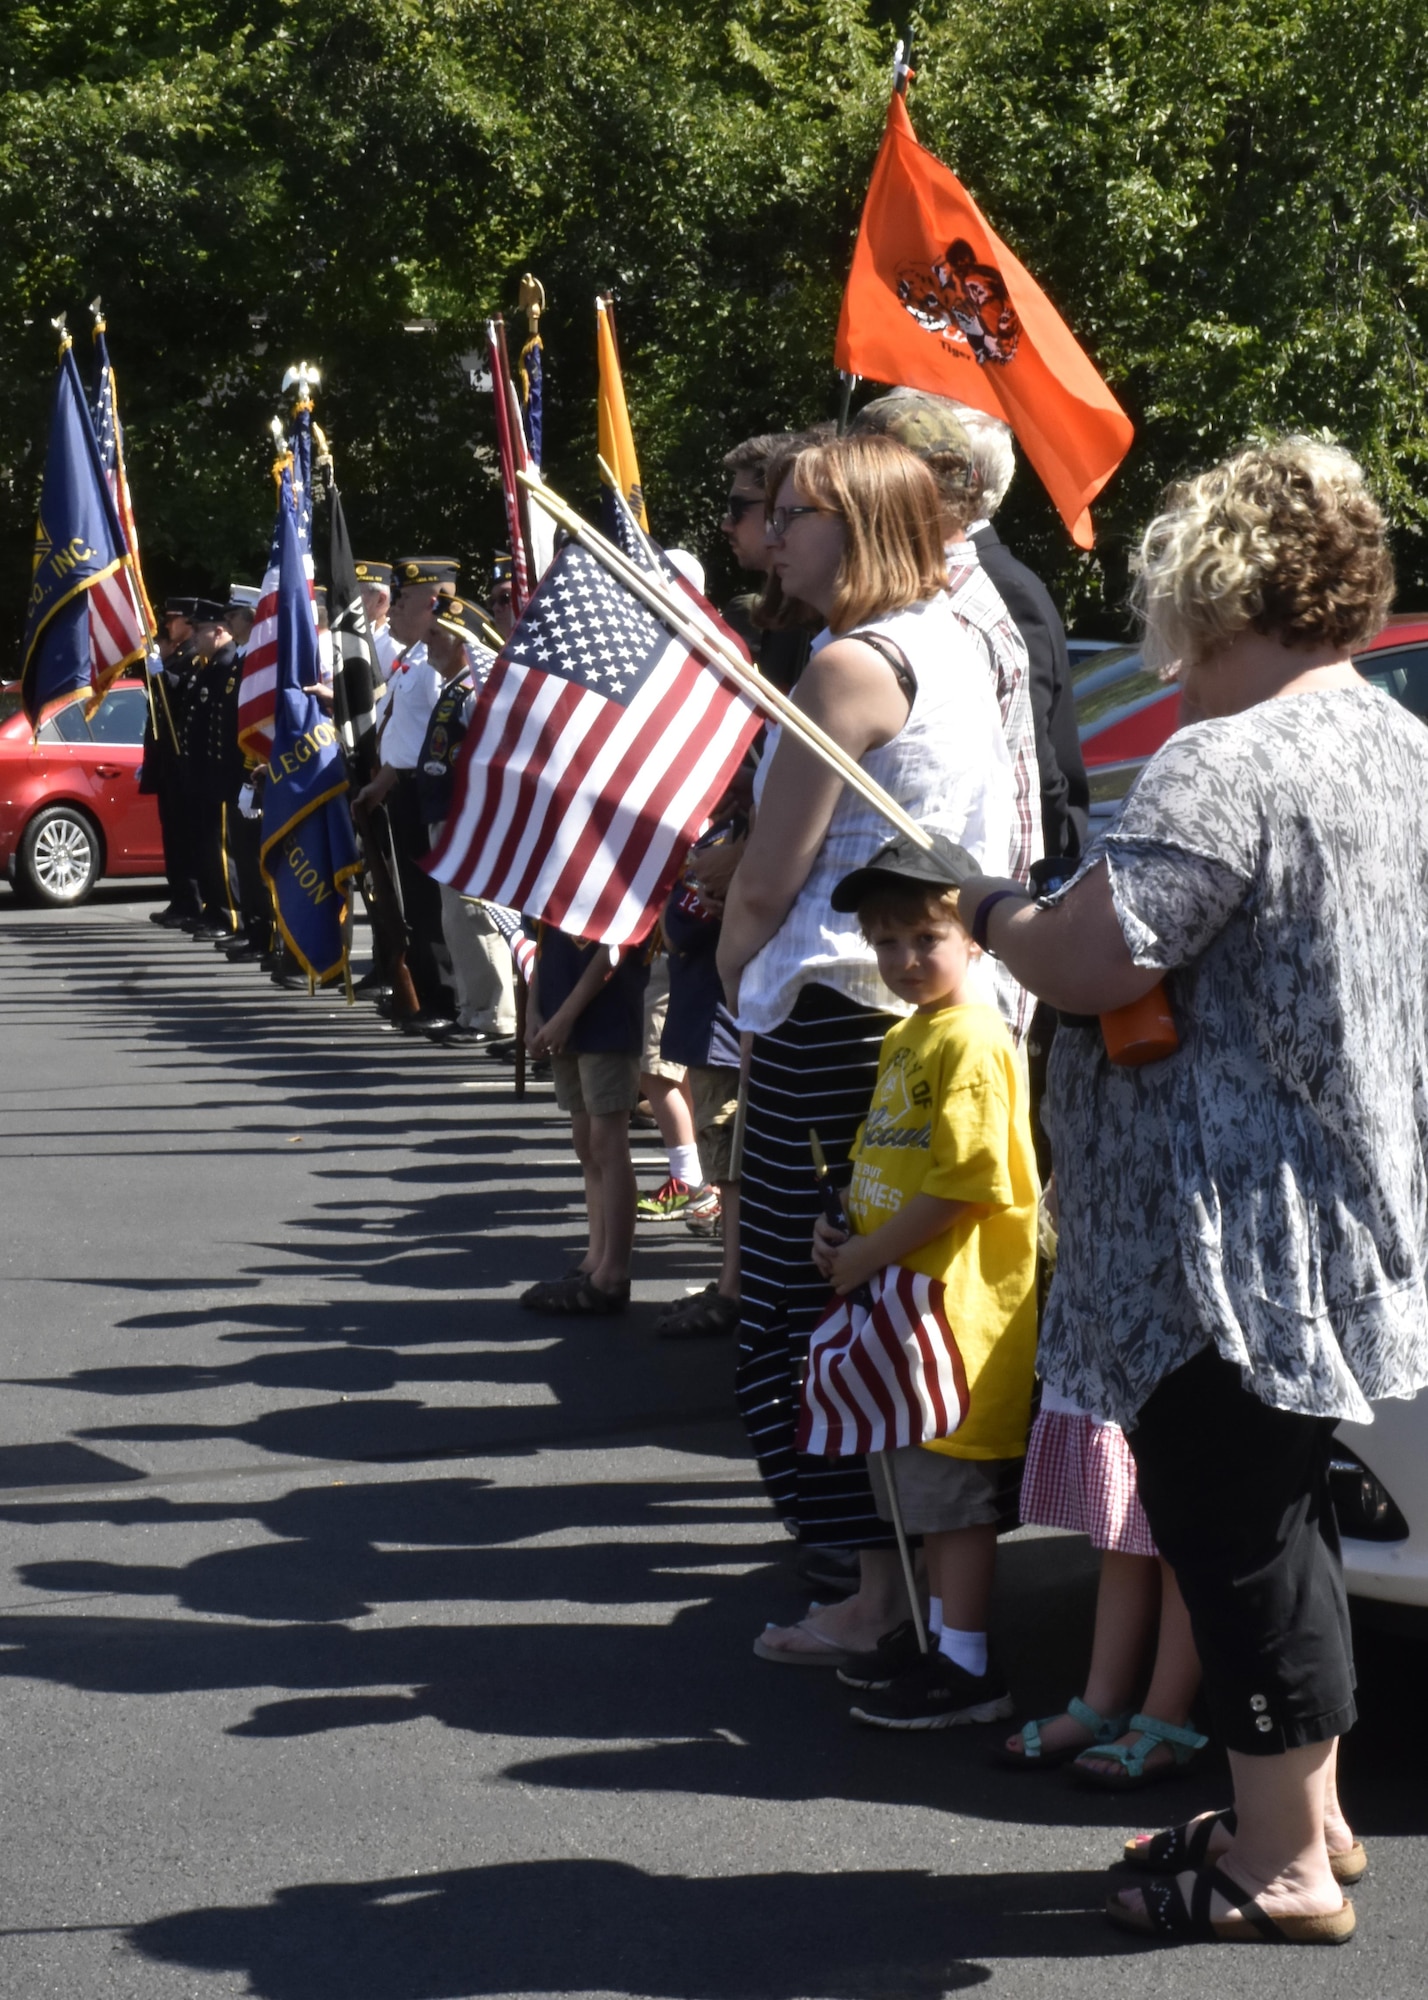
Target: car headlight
{"points": [[1363, 1504]]}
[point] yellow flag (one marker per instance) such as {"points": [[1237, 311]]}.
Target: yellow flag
{"points": [[617, 442]]}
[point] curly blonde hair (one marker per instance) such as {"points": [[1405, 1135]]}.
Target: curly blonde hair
{"points": [[1284, 539]]}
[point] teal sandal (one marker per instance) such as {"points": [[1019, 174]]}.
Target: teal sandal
{"points": [[1150, 1733], [1033, 1756]]}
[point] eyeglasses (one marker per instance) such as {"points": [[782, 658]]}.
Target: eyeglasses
{"points": [[738, 504], [776, 526]]}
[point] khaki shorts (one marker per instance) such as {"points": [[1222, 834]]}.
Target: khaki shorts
{"points": [[716, 1103], [652, 1063], [937, 1493], [596, 1083]]}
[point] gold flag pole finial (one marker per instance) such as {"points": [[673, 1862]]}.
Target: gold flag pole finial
{"points": [[531, 301], [302, 379], [96, 307], [63, 331]]}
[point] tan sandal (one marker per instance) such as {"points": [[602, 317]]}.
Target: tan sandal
{"points": [[1169, 1919]]}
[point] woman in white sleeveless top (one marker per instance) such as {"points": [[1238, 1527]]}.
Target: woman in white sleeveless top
{"points": [[855, 533]]}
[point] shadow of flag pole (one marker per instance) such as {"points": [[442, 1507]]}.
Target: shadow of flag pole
{"points": [[683, 617]]}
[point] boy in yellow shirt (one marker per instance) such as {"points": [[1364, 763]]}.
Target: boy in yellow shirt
{"points": [[944, 1183]]}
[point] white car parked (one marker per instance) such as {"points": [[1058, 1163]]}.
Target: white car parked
{"points": [[1380, 1486]]}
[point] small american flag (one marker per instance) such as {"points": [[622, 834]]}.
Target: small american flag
{"points": [[523, 948], [883, 1377], [597, 746], [258, 691]]}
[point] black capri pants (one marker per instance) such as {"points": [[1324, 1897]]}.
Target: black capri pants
{"points": [[1237, 1496]]}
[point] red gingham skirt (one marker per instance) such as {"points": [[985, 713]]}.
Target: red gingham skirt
{"points": [[1080, 1475]]}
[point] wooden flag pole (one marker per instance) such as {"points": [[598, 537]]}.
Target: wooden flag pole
{"points": [[684, 618]]}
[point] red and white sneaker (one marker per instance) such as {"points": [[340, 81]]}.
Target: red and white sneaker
{"points": [[702, 1213], [668, 1201]]}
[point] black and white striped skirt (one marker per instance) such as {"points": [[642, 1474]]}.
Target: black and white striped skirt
{"points": [[815, 1070]]}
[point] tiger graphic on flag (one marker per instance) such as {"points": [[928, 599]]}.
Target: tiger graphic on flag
{"points": [[957, 296]]}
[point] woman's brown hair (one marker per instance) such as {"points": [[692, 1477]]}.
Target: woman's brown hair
{"points": [[892, 513]]}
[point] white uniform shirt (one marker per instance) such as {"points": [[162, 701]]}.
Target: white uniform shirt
{"points": [[411, 696], [384, 649]]}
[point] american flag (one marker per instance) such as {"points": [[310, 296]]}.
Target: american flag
{"points": [[523, 948], [118, 602], [596, 748], [883, 1377], [257, 693]]}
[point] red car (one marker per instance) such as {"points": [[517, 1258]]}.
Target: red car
{"points": [[1124, 712], [70, 805]]}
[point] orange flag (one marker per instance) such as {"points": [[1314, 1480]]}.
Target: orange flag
{"points": [[936, 301]]}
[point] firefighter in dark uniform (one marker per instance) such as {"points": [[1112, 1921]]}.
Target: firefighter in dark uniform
{"points": [[161, 776], [242, 798], [423, 583], [209, 750]]}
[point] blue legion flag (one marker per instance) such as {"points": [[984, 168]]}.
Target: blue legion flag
{"points": [[83, 625], [532, 367], [309, 851]]}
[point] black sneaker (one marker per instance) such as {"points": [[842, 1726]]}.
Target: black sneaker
{"points": [[936, 1694], [895, 1653]]}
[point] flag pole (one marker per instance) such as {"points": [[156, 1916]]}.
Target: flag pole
{"points": [[684, 619]]}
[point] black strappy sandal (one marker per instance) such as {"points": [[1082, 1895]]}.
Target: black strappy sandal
{"points": [[1188, 1846], [1169, 1919]]}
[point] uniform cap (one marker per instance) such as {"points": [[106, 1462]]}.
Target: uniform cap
{"points": [[376, 575], [439, 571], [181, 607], [502, 567], [928, 426], [467, 619], [243, 597], [944, 865], [206, 611]]}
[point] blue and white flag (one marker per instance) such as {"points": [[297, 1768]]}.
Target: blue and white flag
{"points": [[83, 624], [309, 852]]}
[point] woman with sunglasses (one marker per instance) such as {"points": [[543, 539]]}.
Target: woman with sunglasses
{"points": [[855, 535]]}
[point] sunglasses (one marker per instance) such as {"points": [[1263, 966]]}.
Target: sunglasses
{"points": [[777, 525], [737, 505]]}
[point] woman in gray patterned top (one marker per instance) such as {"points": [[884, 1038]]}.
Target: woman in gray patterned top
{"points": [[1245, 1224]]}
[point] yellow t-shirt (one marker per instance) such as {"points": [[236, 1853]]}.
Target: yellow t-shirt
{"points": [[949, 1118]]}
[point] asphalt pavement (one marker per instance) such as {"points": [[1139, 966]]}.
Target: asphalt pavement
{"points": [[366, 1638]]}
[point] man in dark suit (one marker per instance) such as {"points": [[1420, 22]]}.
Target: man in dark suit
{"points": [[1065, 794]]}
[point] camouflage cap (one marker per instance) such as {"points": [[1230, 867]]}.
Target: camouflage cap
{"points": [[928, 425]]}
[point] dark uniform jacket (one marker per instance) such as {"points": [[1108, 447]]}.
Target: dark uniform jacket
{"points": [[1065, 794]]}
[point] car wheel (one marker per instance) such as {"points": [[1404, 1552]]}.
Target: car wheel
{"points": [[59, 856]]}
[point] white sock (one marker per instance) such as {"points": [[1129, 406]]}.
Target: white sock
{"points": [[967, 1650], [684, 1164], [934, 1615]]}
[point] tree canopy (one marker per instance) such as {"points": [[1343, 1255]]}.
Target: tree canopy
{"points": [[1227, 204]]}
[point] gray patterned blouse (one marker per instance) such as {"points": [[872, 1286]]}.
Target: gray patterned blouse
{"points": [[1266, 1187]]}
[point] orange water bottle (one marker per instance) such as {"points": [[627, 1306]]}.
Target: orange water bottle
{"points": [[1143, 1032]]}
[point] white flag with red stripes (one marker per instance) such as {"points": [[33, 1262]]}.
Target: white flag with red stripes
{"points": [[597, 746], [883, 1377], [118, 633]]}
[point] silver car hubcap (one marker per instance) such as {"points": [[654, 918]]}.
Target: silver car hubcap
{"points": [[64, 856]]}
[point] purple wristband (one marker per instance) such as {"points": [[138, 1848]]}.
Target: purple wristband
{"points": [[984, 911]]}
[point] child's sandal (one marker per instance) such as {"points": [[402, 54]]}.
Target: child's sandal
{"points": [[1034, 1756], [1131, 1758]]}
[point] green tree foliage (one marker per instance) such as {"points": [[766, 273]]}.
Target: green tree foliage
{"points": [[1227, 204]]}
